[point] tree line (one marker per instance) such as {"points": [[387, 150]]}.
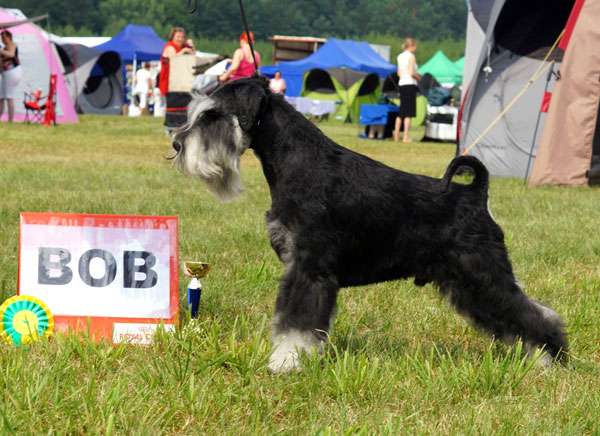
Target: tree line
{"points": [[220, 19]]}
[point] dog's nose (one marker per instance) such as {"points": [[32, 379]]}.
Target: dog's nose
{"points": [[177, 146]]}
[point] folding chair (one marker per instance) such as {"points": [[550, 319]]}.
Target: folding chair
{"points": [[34, 107], [41, 109]]}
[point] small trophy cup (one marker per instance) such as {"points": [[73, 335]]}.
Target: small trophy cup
{"points": [[195, 270]]}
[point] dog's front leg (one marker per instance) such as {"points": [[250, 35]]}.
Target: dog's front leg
{"points": [[303, 314]]}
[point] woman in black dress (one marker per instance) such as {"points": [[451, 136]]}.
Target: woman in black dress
{"points": [[407, 84]]}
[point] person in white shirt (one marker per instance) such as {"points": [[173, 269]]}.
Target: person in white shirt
{"points": [[11, 73], [277, 84], [407, 85], [144, 86]]}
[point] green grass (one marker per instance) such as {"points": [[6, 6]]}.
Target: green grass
{"points": [[400, 360]]}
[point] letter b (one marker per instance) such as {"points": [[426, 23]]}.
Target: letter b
{"points": [[45, 265], [130, 268]]}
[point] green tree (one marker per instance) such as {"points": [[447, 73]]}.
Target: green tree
{"points": [[431, 20]]}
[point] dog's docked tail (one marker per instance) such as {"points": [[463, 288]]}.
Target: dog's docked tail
{"points": [[472, 164]]}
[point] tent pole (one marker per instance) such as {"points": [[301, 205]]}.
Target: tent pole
{"points": [[50, 52], [537, 124], [133, 76], [347, 97]]}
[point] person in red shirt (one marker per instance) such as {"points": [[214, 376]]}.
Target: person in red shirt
{"points": [[242, 64], [175, 46]]}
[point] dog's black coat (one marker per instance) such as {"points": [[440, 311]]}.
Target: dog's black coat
{"points": [[340, 219]]}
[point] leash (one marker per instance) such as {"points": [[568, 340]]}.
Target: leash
{"points": [[535, 76], [247, 30], [192, 7]]}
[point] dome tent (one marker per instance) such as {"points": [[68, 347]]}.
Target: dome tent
{"points": [[103, 91], [93, 78], [335, 53], [39, 59], [532, 138], [478, 17], [352, 88]]}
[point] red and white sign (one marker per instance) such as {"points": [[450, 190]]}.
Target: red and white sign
{"points": [[114, 274]]}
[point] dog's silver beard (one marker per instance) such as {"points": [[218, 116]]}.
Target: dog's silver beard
{"points": [[216, 163]]}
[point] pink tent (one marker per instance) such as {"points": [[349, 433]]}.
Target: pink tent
{"points": [[38, 59]]}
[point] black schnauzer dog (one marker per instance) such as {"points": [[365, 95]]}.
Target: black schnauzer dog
{"points": [[340, 219]]}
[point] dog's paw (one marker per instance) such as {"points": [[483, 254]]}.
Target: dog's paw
{"points": [[284, 361], [287, 348], [545, 361], [542, 358]]}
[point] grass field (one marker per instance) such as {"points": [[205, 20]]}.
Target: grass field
{"points": [[400, 360]]}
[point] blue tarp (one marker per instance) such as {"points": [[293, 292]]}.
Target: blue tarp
{"points": [[335, 53], [140, 42], [371, 114]]}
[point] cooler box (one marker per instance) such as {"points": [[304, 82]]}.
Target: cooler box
{"points": [[441, 123]]}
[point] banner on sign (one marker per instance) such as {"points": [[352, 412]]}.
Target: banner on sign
{"points": [[115, 275]]}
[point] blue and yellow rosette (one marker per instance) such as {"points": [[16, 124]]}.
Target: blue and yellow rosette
{"points": [[24, 319]]}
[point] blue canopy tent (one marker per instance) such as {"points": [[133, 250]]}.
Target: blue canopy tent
{"points": [[335, 53], [135, 43]]}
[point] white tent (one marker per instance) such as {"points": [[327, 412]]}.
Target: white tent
{"points": [[39, 59]]}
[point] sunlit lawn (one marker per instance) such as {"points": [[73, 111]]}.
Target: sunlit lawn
{"points": [[400, 360]]}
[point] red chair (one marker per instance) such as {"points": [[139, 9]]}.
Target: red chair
{"points": [[34, 107], [50, 113], [41, 109]]}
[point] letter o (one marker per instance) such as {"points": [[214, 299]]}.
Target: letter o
{"points": [[110, 268]]}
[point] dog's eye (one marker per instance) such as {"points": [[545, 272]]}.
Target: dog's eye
{"points": [[177, 146]]}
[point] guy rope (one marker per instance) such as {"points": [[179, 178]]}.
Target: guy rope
{"points": [[544, 65]]}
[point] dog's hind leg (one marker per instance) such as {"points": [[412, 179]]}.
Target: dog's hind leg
{"points": [[304, 308], [494, 302]]}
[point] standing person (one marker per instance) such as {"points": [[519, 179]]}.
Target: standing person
{"points": [[277, 84], [143, 86], [10, 73], [407, 84], [242, 64], [175, 46]]}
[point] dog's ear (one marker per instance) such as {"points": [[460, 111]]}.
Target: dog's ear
{"points": [[250, 101]]}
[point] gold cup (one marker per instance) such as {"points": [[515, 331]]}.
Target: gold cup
{"points": [[196, 269]]}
